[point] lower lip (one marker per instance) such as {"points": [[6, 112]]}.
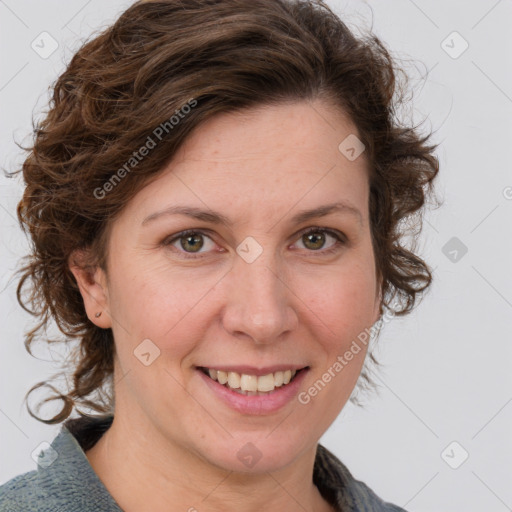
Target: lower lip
{"points": [[256, 404]]}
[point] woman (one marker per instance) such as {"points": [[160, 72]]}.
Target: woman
{"points": [[216, 201]]}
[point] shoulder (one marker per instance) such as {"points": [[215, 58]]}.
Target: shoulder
{"points": [[370, 499], [37, 491], [21, 493], [64, 481], [337, 483]]}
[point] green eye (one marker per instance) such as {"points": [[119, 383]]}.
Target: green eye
{"points": [[316, 238], [191, 243]]}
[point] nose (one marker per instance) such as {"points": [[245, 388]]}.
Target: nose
{"points": [[260, 302]]}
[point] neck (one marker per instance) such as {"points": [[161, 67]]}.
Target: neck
{"points": [[145, 471]]}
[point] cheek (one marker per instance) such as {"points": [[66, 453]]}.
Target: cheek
{"points": [[159, 302], [342, 300], [168, 304]]}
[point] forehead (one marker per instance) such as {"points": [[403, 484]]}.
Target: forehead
{"points": [[292, 128], [267, 159]]}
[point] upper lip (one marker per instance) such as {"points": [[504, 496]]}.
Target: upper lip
{"points": [[253, 370]]}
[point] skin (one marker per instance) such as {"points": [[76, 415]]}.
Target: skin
{"points": [[173, 442]]}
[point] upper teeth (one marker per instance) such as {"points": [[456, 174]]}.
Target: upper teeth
{"points": [[253, 383]]}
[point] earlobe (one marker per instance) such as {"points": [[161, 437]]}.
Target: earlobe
{"points": [[92, 283]]}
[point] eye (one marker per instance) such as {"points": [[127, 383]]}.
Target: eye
{"points": [[315, 239], [190, 242]]}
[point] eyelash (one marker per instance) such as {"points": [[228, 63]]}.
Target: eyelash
{"points": [[340, 240]]}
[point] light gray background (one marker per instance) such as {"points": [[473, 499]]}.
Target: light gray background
{"points": [[446, 375]]}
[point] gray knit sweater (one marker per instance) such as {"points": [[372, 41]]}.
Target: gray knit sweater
{"points": [[66, 482]]}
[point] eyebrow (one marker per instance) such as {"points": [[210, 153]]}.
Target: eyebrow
{"points": [[217, 218]]}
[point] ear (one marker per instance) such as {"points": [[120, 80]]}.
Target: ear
{"points": [[92, 283], [378, 301]]}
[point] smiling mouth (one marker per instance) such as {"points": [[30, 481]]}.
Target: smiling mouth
{"points": [[252, 385]]}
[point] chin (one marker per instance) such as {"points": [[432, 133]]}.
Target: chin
{"points": [[256, 453]]}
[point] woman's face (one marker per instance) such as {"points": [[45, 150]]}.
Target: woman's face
{"points": [[249, 290]]}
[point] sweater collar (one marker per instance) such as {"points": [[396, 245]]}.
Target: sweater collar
{"points": [[77, 435]]}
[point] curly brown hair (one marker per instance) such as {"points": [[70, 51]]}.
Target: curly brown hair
{"points": [[228, 55]]}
